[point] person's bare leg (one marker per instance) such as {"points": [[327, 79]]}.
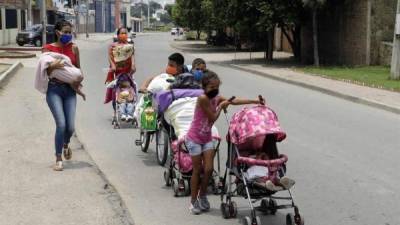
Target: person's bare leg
{"points": [[208, 159], [195, 179]]}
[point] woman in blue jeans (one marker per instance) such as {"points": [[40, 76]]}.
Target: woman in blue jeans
{"points": [[60, 97]]}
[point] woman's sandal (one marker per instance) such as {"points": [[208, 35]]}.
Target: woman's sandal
{"points": [[58, 166], [67, 152]]}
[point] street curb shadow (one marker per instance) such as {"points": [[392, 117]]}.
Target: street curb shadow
{"points": [[4, 77]]}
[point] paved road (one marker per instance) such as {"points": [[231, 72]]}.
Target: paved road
{"points": [[344, 156]]}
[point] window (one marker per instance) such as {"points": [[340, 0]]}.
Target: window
{"points": [[11, 19]]}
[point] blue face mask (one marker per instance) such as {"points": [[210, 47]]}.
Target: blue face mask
{"points": [[65, 38], [198, 75]]}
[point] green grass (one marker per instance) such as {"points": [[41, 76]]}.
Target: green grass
{"points": [[373, 76]]}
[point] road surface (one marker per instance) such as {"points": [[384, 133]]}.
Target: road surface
{"points": [[343, 156]]}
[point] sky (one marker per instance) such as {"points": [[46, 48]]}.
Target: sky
{"points": [[162, 2]]}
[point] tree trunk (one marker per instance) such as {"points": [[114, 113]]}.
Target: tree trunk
{"points": [[198, 34], [270, 46], [295, 41], [315, 36]]}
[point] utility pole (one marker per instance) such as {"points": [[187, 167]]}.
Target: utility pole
{"points": [[395, 66], [44, 22], [87, 18], [148, 13], [29, 13]]}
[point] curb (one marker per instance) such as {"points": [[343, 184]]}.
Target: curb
{"points": [[10, 72], [22, 56], [317, 88], [351, 98], [21, 48]]}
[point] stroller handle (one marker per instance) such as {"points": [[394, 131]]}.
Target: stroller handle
{"points": [[229, 100]]}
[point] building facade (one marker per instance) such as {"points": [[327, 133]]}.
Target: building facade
{"points": [[352, 32], [12, 19]]}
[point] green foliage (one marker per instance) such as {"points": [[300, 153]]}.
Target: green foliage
{"points": [[141, 9], [373, 76]]}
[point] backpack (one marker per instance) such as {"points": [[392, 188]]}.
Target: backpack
{"points": [[185, 81]]}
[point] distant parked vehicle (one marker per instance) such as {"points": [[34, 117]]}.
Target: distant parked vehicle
{"points": [[175, 30], [33, 35]]}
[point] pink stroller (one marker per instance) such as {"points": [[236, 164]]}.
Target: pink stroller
{"points": [[180, 169], [252, 131]]}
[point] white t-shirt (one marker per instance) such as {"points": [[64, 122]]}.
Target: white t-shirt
{"points": [[160, 83]]}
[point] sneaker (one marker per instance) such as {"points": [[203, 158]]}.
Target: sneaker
{"points": [[129, 118], [204, 203], [58, 166], [195, 208], [123, 117], [287, 183], [272, 187]]}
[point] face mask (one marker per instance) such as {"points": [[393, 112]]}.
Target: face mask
{"points": [[198, 75], [212, 94], [65, 38], [123, 37], [171, 70]]}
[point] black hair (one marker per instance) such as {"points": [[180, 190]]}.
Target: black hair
{"points": [[59, 25], [207, 77], [198, 61], [178, 58], [62, 23], [119, 30], [270, 147]]}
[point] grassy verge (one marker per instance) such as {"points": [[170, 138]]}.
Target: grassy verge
{"points": [[372, 76]]}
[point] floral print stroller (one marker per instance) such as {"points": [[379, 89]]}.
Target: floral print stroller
{"points": [[249, 130]]}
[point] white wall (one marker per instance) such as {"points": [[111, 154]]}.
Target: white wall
{"points": [[8, 36]]}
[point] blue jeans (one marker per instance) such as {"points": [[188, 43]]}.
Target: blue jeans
{"points": [[126, 108], [61, 99]]}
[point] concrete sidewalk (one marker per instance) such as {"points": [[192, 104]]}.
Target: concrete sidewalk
{"points": [[283, 71], [31, 192]]}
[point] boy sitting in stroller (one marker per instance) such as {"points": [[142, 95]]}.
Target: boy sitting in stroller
{"points": [[125, 95]]}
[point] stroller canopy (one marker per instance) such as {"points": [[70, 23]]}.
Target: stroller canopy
{"points": [[251, 123]]}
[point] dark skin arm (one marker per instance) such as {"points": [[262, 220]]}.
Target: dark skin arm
{"points": [[205, 104], [238, 101], [143, 87]]}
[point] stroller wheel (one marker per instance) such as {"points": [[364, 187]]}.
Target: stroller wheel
{"points": [[175, 187], [247, 221], [272, 206], [167, 178], [225, 210], [257, 221], [186, 186], [232, 209], [294, 220], [298, 219], [135, 123]]}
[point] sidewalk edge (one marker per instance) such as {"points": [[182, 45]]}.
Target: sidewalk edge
{"points": [[317, 88], [9, 72], [125, 215]]}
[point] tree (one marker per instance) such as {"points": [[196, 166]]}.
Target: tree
{"points": [[168, 8], [165, 18], [315, 5], [188, 13]]}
